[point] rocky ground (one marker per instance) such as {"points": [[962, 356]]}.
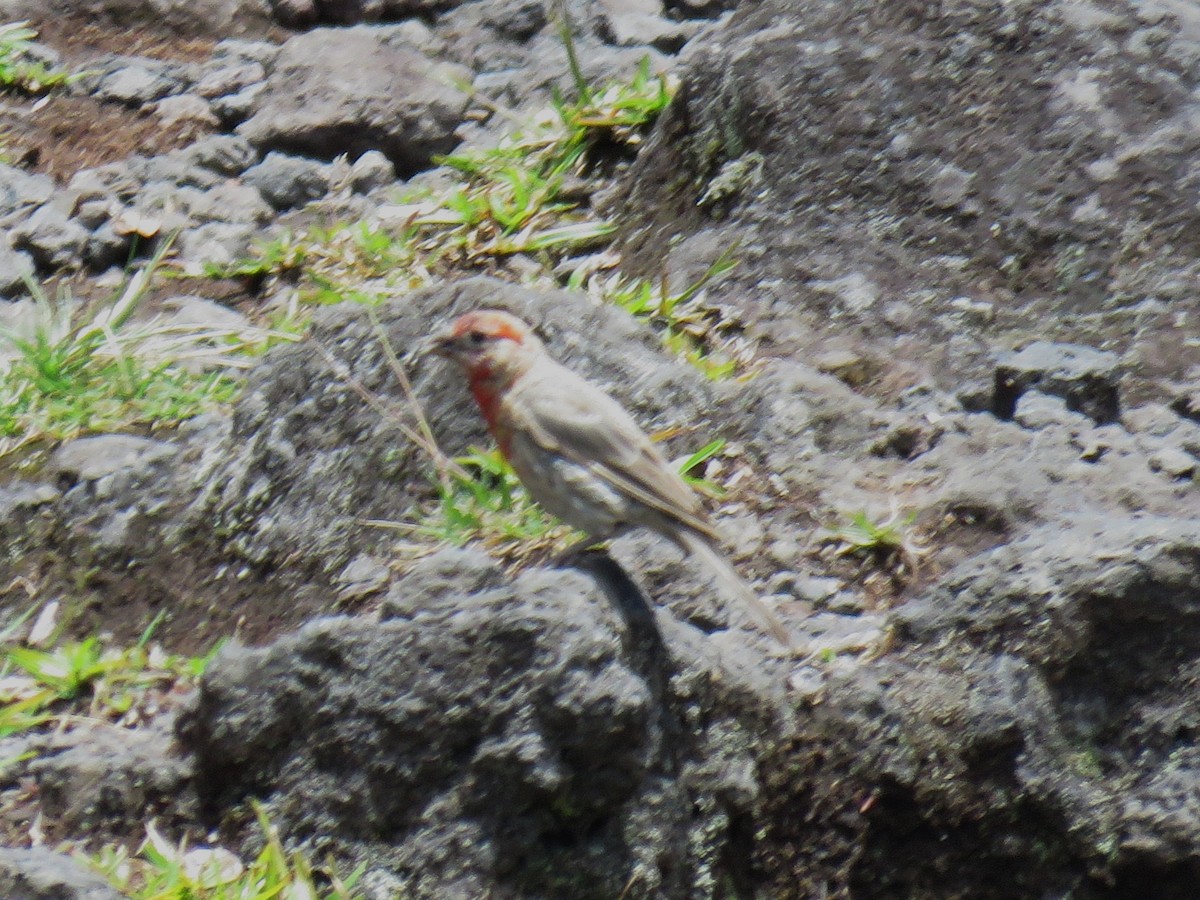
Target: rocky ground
{"points": [[956, 369]]}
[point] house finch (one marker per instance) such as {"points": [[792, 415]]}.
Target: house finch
{"points": [[576, 450]]}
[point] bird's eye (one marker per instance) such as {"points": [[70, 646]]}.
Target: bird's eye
{"points": [[477, 338]]}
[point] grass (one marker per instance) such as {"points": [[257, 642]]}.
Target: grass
{"points": [[884, 540], [686, 325], [44, 687], [481, 500], [509, 199], [73, 368], [18, 70], [161, 870]]}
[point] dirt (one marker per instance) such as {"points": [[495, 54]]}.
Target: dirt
{"points": [[59, 134]]}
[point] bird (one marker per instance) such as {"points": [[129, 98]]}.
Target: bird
{"points": [[577, 451]]}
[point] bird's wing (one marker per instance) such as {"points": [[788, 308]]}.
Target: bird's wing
{"points": [[566, 414]]}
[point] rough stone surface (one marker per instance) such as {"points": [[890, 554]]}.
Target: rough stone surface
{"points": [[20, 189], [194, 17], [15, 266], [350, 91], [288, 181], [54, 240], [108, 780], [40, 874], [1087, 379], [548, 738], [915, 155]]}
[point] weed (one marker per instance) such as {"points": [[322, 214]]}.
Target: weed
{"points": [[162, 870], [687, 326], [74, 368], [483, 500], [510, 199], [41, 686], [19, 70], [887, 539]]}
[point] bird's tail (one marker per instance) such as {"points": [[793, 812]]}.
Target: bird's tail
{"points": [[703, 548]]}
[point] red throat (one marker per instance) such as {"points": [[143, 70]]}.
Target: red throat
{"points": [[488, 401]]}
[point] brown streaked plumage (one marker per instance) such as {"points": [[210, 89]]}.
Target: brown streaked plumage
{"points": [[576, 450]]}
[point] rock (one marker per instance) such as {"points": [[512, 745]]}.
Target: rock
{"points": [[1036, 411], [550, 721], [288, 181], [106, 247], [223, 78], [370, 171], [20, 189], [1045, 675], [95, 458], [185, 108], [863, 202], [39, 874], [1174, 462], [1087, 379], [349, 91], [15, 267], [299, 13], [136, 85], [52, 239], [236, 108], [218, 18], [199, 314], [641, 22], [216, 243], [231, 202], [111, 780], [364, 576], [224, 154]]}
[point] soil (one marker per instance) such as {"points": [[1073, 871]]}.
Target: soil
{"points": [[60, 134]]}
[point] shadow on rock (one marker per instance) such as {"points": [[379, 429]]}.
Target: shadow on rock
{"points": [[550, 736]]}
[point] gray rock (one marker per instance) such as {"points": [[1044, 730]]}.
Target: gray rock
{"points": [[189, 17], [350, 91], [370, 171], [111, 780], [136, 85], [1174, 462], [236, 108], [20, 189], [222, 78], [932, 209], [1087, 379], [224, 154], [633, 23], [546, 721], [94, 458], [107, 247], [40, 874], [1036, 411], [235, 50], [54, 240], [231, 202], [15, 267], [185, 108], [218, 243], [364, 576], [289, 181]]}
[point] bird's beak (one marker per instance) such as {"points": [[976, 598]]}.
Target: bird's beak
{"points": [[440, 344]]}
